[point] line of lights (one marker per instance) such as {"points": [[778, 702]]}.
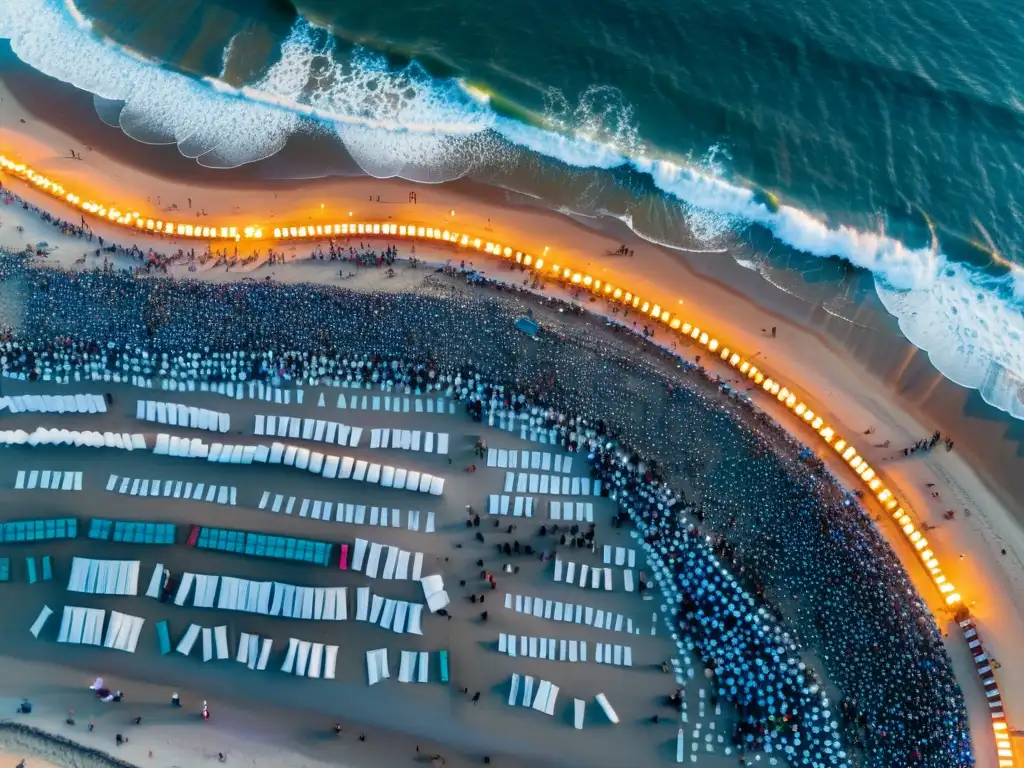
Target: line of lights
{"points": [[785, 395], [1004, 749], [575, 278]]}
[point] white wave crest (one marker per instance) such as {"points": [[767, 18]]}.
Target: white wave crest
{"points": [[160, 106], [401, 123], [405, 123], [972, 328], [601, 114]]}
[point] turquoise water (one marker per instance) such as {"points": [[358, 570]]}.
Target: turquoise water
{"points": [[839, 148]]}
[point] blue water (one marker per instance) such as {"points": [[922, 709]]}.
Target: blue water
{"points": [[799, 138]]}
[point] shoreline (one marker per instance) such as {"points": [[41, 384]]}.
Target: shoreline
{"points": [[895, 371]]}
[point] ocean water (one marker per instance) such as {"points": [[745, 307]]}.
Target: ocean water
{"points": [[850, 151]]}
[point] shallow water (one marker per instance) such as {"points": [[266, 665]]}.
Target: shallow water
{"points": [[779, 134]]}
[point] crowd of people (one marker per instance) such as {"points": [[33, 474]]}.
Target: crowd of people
{"points": [[364, 256], [767, 556], [153, 261]]}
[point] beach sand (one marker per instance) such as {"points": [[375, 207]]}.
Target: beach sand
{"points": [[394, 717], [10, 754], [855, 377]]}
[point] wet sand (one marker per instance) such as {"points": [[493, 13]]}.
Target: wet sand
{"points": [[12, 751]]}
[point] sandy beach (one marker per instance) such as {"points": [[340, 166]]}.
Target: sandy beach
{"points": [[861, 379], [436, 717]]}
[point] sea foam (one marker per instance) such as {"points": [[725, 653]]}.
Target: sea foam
{"points": [[405, 123], [160, 106]]}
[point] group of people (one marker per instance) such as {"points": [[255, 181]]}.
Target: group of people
{"points": [[153, 261], [926, 444], [364, 256], [769, 561]]}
